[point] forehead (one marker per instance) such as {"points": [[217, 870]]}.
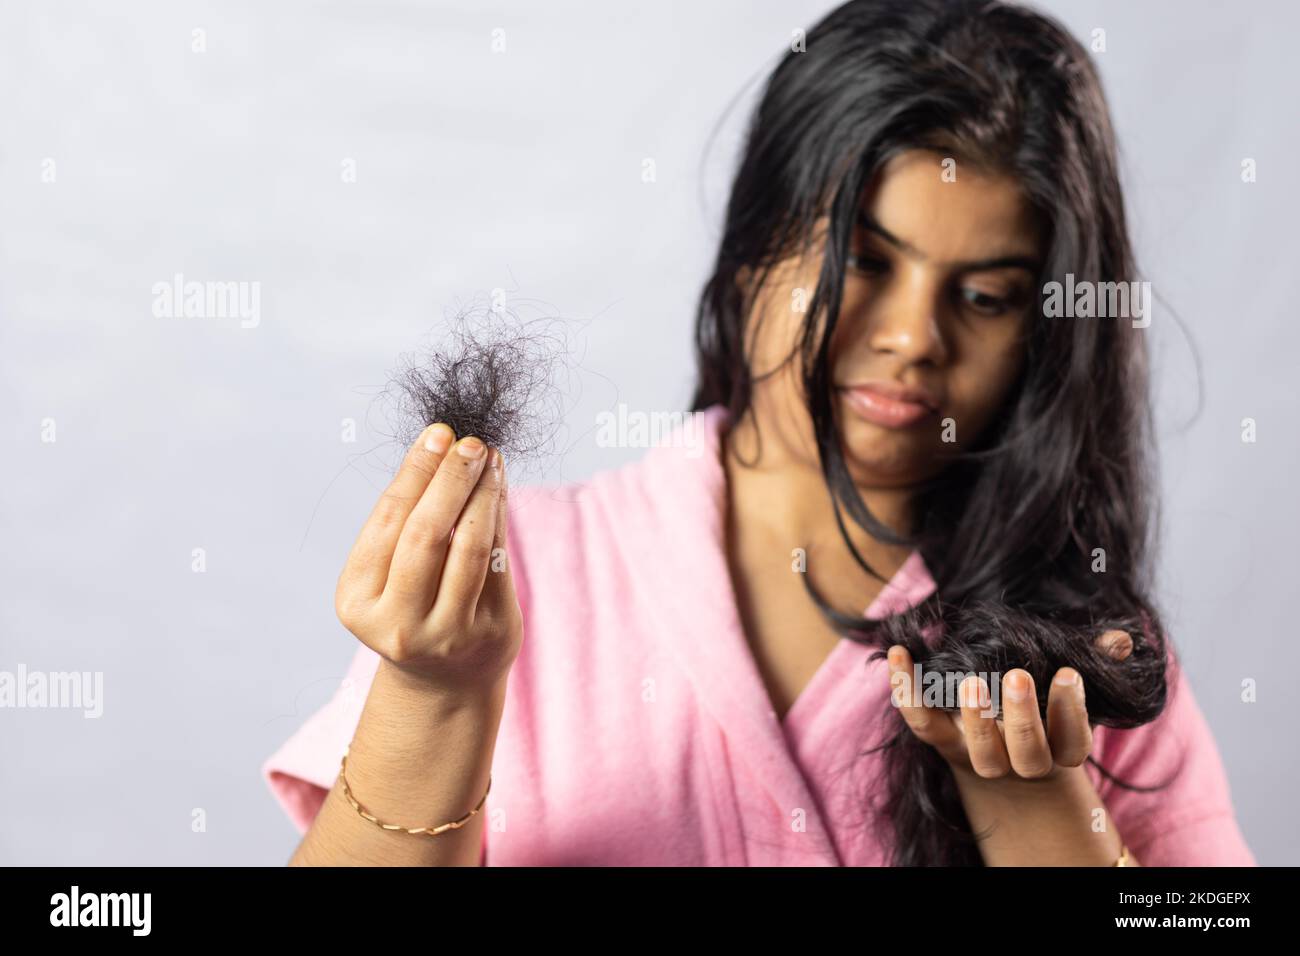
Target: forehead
{"points": [[953, 213]]}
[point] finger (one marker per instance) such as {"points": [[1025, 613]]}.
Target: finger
{"points": [[929, 724], [366, 569], [1118, 644], [421, 548], [498, 589], [1022, 726], [1068, 731], [984, 746], [471, 549]]}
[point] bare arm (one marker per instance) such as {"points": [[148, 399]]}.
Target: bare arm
{"points": [[418, 759], [1039, 822]]}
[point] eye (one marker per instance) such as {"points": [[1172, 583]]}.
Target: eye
{"points": [[864, 262], [984, 303]]}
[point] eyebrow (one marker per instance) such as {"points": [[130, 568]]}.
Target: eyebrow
{"points": [[971, 265]]}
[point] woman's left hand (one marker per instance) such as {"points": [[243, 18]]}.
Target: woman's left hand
{"points": [[1017, 744]]}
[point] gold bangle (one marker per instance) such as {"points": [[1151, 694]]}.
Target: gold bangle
{"points": [[1124, 858], [414, 831]]}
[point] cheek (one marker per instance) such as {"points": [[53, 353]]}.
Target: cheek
{"points": [[978, 387], [773, 339], [783, 306]]}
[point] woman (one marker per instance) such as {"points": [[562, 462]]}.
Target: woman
{"points": [[670, 664]]}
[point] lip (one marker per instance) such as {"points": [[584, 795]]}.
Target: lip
{"points": [[889, 404]]}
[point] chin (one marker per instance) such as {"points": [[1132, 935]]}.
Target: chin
{"points": [[882, 465]]}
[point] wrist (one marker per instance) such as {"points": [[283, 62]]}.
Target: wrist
{"points": [[1048, 821], [430, 694]]}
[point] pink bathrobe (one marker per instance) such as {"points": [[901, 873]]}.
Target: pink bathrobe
{"points": [[637, 729]]}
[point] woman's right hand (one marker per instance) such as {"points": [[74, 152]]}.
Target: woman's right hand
{"points": [[441, 607]]}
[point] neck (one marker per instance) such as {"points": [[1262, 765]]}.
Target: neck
{"points": [[778, 503]]}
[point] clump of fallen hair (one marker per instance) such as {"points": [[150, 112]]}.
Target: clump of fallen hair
{"points": [[491, 375]]}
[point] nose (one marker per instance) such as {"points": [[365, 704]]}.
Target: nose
{"points": [[904, 318]]}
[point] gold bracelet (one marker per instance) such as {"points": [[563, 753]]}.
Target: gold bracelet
{"points": [[414, 831], [1124, 858]]}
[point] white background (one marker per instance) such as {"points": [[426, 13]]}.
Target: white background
{"points": [[476, 170]]}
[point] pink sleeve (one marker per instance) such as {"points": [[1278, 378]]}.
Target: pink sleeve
{"points": [[1190, 822]]}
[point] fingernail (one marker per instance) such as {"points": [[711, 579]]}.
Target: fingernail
{"points": [[975, 692], [438, 438], [494, 459], [1067, 677], [1017, 686], [472, 448]]}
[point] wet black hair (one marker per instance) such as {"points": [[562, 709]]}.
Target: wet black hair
{"points": [[1008, 529]]}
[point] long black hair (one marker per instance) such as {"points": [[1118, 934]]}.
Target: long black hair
{"points": [[1011, 529]]}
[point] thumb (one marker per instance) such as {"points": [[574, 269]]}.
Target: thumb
{"points": [[1118, 644]]}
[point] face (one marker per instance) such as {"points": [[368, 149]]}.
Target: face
{"points": [[930, 338]]}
